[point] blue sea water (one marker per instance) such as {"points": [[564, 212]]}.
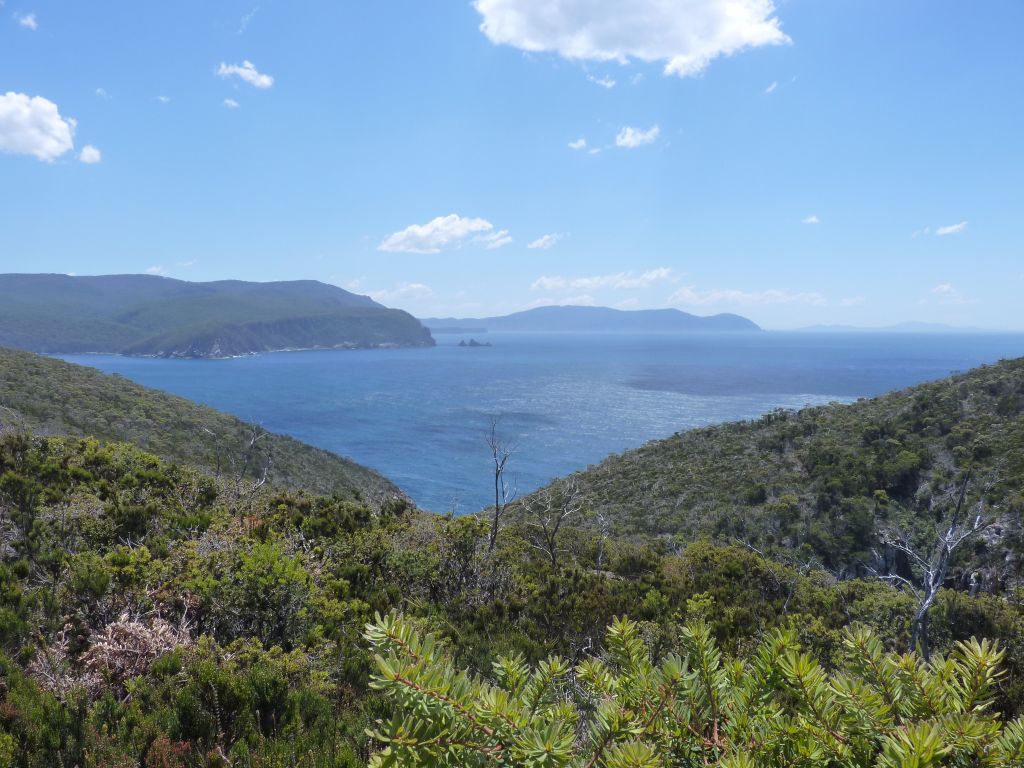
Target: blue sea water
{"points": [[565, 401]]}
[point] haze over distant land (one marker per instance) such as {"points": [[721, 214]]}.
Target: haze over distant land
{"points": [[162, 317], [910, 326], [594, 319]]}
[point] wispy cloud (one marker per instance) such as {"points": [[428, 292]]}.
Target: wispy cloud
{"points": [[771, 88], [164, 99], [27, 20], [102, 93], [617, 281], [689, 295], [630, 138], [580, 143], [247, 72], [952, 229], [604, 82], [812, 219], [495, 240], [155, 270], [231, 104], [435, 234], [544, 241], [402, 292], [945, 293], [244, 23]]}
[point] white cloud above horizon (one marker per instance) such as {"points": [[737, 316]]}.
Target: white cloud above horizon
{"points": [[630, 138], [952, 229], [544, 241], [402, 292], [604, 82], [616, 281], [90, 155], [495, 240], [27, 20], [771, 88], [32, 125], [580, 143], [690, 296], [686, 36], [247, 72], [437, 233], [945, 293], [812, 219]]}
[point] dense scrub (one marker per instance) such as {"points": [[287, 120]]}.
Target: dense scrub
{"points": [[152, 615], [53, 397], [822, 483]]}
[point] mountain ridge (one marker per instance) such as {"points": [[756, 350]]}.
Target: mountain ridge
{"points": [[574, 318], [150, 315]]}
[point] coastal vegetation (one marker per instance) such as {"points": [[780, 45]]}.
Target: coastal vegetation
{"points": [[154, 612]]}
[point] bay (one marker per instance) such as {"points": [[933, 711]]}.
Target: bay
{"points": [[565, 401]]}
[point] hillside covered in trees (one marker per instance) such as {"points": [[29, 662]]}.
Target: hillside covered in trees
{"points": [[824, 484], [51, 397], [161, 613], [163, 317]]}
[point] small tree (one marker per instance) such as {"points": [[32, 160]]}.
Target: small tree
{"points": [[932, 569], [504, 494], [547, 510]]}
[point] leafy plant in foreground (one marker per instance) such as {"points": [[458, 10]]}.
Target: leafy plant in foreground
{"points": [[777, 709]]}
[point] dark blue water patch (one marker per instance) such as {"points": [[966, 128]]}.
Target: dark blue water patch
{"points": [[565, 401]]}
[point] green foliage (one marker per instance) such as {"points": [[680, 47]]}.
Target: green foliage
{"points": [[53, 397], [777, 709], [819, 483]]}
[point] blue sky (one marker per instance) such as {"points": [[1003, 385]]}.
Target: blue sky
{"points": [[848, 161]]}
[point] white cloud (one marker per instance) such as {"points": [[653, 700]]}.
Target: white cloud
{"points": [[102, 93], [630, 138], [402, 292], [579, 300], [545, 241], [689, 295], [495, 240], [90, 155], [812, 219], [618, 281], [594, 151], [186, 264], [852, 301], [947, 294], [32, 125], [952, 229], [771, 88], [604, 82], [434, 235], [686, 35], [580, 143], [155, 270], [247, 72], [164, 99], [231, 104], [28, 21]]}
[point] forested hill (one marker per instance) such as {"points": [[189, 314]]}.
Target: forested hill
{"points": [[826, 481], [52, 397], [151, 315]]}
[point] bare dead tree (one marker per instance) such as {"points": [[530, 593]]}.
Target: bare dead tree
{"points": [[546, 512], [504, 494], [604, 530], [933, 568]]}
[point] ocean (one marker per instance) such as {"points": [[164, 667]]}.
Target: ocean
{"points": [[564, 401]]}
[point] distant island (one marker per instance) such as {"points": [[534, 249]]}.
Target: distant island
{"points": [[578, 319], [155, 316], [475, 343]]}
